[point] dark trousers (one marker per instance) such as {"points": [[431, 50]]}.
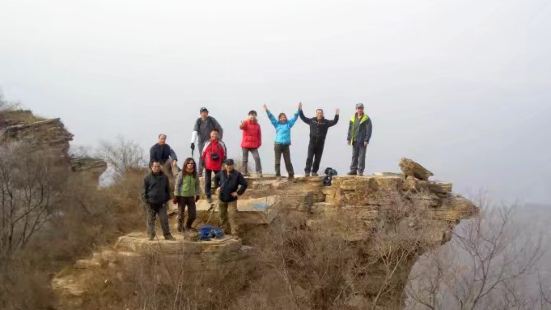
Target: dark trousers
{"points": [[208, 181], [280, 149], [256, 158], [152, 211], [201, 164], [315, 151], [358, 157], [184, 202]]}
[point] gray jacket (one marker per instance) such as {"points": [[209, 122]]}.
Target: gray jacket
{"points": [[359, 132], [202, 129]]}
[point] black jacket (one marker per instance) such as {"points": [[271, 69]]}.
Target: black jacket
{"points": [[161, 153], [229, 183], [318, 129], [156, 188]]}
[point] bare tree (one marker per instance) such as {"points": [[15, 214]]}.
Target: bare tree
{"points": [[122, 155], [485, 266], [2, 101], [29, 185], [5, 104]]}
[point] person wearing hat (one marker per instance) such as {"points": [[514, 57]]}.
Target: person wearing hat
{"points": [[251, 141], [230, 184], [318, 131], [359, 134], [282, 141], [201, 134]]}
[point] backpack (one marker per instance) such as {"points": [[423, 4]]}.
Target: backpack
{"points": [[329, 173], [206, 232]]}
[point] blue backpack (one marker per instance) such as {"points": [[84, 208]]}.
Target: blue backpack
{"points": [[206, 232]]}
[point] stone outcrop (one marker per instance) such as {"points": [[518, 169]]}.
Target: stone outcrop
{"points": [[88, 166], [363, 211], [46, 135], [74, 285], [49, 135], [384, 205], [413, 169]]}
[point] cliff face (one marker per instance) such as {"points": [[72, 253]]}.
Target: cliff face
{"points": [[389, 219], [49, 136], [385, 215]]}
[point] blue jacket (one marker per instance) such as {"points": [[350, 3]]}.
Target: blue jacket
{"points": [[283, 131]]}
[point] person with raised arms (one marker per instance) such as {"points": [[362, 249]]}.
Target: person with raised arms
{"points": [[318, 131], [282, 141]]}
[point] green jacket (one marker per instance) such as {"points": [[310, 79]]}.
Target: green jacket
{"points": [[186, 185], [359, 131]]}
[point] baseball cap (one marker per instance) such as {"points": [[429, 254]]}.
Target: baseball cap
{"points": [[229, 162], [203, 109]]}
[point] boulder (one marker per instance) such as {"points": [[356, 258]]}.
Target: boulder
{"points": [[411, 168]]}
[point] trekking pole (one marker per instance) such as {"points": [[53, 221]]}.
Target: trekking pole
{"points": [[211, 210]]}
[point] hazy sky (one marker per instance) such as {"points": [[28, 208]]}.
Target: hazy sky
{"points": [[464, 87]]}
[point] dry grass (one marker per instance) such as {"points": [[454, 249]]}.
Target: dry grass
{"points": [[81, 219], [13, 116]]}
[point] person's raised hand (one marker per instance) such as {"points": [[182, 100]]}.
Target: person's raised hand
{"points": [[265, 107], [337, 111]]}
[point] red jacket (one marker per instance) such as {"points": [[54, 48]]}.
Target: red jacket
{"points": [[214, 147], [252, 135]]}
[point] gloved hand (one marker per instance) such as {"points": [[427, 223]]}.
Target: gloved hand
{"points": [[192, 146], [175, 200], [197, 198]]}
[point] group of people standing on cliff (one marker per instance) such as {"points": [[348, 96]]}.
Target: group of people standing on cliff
{"points": [[207, 136]]}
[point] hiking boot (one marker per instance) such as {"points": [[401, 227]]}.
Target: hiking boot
{"points": [[291, 178], [169, 237], [307, 174], [360, 173], [354, 172], [314, 174], [209, 199], [151, 238], [259, 174]]}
